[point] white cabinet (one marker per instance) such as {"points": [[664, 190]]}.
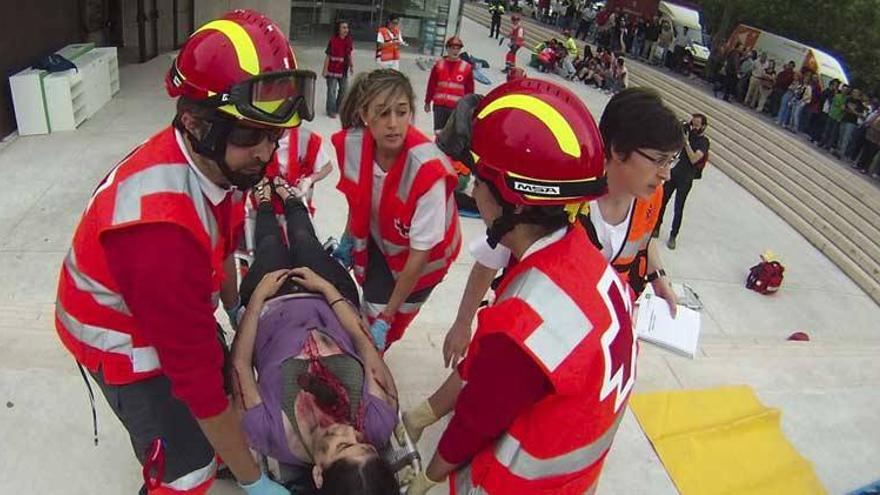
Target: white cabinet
{"points": [[61, 101]]}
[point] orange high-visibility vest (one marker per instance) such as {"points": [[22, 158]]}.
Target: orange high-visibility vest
{"points": [[420, 165], [155, 184], [390, 49], [632, 259], [570, 312], [450, 82]]}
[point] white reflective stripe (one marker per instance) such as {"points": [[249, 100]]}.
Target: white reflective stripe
{"points": [[373, 310], [509, 453], [302, 145], [592, 489], [351, 168], [632, 248], [389, 248], [101, 294], [464, 485], [359, 271], [143, 358], [194, 478], [360, 243], [162, 178], [284, 158], [418, 156], [337, 59], [563, 325]]}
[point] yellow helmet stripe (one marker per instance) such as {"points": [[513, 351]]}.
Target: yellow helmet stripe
{"points": [[241, 41], [551, 117]]}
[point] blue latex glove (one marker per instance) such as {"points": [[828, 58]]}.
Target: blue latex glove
{"points": [[232, 313], [344, 249], [379, 331], [264, 486]]}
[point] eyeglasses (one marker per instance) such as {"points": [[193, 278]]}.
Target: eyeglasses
{"points": [[246, 137], [661, 162]]}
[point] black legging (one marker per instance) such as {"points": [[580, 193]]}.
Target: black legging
{"points": [[305, 251]]}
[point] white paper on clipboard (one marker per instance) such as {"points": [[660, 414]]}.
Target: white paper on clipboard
{"points": [[655, 325]]}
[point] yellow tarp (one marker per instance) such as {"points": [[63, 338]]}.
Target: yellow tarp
{"points": [[723, 441]]}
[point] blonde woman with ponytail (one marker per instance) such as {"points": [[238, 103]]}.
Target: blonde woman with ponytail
{"points": [[403, 230]]}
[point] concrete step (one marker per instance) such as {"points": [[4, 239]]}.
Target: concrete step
{"points": [[835, 210]]}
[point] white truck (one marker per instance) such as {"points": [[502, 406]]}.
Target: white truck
{"points": [[784, 50]]}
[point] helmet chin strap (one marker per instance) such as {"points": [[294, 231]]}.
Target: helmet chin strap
{"points": [[213, 147]]}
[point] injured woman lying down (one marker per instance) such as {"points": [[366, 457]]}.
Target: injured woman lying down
{"points": [[322, 400]]}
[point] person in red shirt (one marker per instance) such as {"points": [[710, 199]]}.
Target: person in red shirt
{"points": [[338, 64], [517, 39], [451, 79], [151, 256]]}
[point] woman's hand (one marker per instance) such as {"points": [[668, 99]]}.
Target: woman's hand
{"points": [[270, 284], [458, 338], [310, 280]]}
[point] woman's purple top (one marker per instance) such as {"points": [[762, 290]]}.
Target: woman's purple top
{"points": [[281, 334]]}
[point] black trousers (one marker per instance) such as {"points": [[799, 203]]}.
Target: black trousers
{"points": [[495, 27], [680, 185], [304, 250], [441, 116]]}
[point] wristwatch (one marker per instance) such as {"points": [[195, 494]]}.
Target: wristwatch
{"points": [[655, 275]]}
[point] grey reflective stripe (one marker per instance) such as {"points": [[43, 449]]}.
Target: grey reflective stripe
{"points": [[510, 454], [464, 485], [302, 144], [351, 168], [632, 248], [143, 359], [592, 489], [360, 243], [416, 157], [337, 59], [101, 294], [563, 325], [162, 178], [195, 478], [359, 271], [391, 249]]}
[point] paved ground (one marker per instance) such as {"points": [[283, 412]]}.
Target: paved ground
{"points": [[827, 389]]}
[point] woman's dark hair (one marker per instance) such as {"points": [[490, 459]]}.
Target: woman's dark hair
{"points": [[338, 25], [637, 118], [348, 476]]}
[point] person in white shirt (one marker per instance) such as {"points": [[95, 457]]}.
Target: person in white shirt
{"points": [[642, 140]]}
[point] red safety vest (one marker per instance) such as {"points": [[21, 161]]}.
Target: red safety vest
{"points": [[451, 77], [517, 35], [390, 49], [570, 312], [297, 152], [420, 165], [339, 52], [155, 184]]}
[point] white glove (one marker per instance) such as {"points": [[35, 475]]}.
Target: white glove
{"points": [[415, 421]]}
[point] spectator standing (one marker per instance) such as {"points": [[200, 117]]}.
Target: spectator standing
{"points": [[788, 100], [869, 152], [813, 109], [857, 142], [780, 87], [652, 32], [731, 69], [664, 41], [337, 66], [496, 8], [744, 75], [820, 120], [588, 16], [804, 99], [852, 110], [766, 86], [689, 167], [753, 92], [639, 38], [681, 43], [835, 116]]}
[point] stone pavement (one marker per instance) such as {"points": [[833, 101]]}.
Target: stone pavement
{"points": [[827, 389]]}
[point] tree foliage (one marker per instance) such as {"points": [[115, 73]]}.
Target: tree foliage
{"points": [[848, 29]]}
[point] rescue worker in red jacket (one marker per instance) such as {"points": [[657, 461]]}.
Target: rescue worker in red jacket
{"points": [[641, 137], [388, 42], [150, 257], [553, 360], [451, 79], [516, 40], [403, 230], [303, 159]]}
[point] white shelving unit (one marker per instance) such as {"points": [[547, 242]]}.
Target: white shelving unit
{"points": [[61, 101]]}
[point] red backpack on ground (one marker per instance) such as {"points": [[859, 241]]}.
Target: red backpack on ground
{"points": [[765, 277]]}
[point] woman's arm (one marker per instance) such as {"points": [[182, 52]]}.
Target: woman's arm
{"points": [[244, 380], [407, 280]]}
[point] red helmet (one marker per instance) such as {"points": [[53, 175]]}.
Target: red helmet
{"points": [[243, 65], [537, 144], [454, 40]]}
